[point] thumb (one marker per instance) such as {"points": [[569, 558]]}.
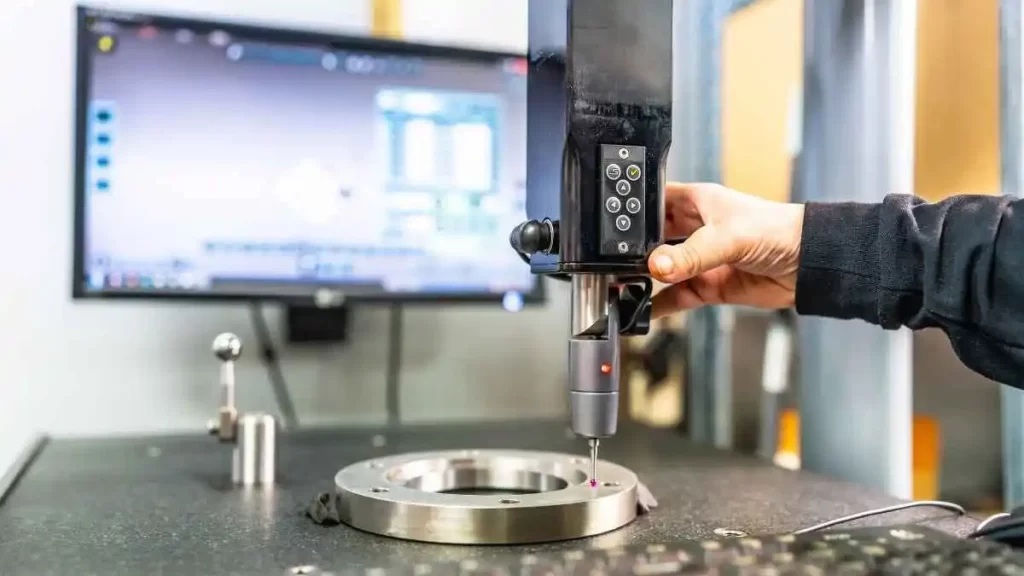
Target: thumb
{"points": [[706, 249]]}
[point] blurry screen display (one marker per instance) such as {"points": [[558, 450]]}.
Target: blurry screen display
{"points": [[230, 162]]}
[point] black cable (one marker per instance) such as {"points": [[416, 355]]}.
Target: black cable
{"points": [[644, 301], [879, 511], [986, 529], [993, 518], [394, 367], [268, 353], [562, 277]]}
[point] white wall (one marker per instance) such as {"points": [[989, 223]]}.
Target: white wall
{"points": [[96, 368]]}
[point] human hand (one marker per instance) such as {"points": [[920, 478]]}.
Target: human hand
{"points": [[741, 250]]}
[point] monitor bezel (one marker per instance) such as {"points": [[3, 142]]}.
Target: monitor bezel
{"points": [[83, 77]]}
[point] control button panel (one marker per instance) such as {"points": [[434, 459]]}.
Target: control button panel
{"points": [[623, 196]]}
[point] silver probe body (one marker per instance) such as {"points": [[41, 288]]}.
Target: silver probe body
{"points": [[594, 361]]}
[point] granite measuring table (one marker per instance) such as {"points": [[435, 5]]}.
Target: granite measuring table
{"points": [[164, 504]]}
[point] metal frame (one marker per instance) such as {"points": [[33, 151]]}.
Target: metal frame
{"points": [[856, 415], [21, 465], [1011, 85], [290, 36], [696, 157], [858, 135]]}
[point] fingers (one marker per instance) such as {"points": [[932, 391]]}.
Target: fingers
{"points": [[724, 285], [707, 248], [674, 299], [694, 293], [682, 190], [682, 214]]}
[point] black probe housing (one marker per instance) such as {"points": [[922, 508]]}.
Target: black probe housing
{"points": [[599, 130]]}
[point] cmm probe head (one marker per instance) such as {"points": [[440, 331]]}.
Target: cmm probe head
{"points": [[599, 127]]}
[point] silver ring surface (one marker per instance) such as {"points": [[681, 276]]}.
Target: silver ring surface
{"points": [[485, 497]]}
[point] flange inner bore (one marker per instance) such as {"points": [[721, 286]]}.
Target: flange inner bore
{"points": [[497, 475]]}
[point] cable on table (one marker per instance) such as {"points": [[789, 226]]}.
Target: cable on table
{"points": [[880, 511]]}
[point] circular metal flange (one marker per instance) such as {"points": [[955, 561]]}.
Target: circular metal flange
{"points": [[485, 497]]}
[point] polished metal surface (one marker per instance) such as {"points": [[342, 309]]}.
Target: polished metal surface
{"points": [[857, 145], [589, 299], [227, 348], [595, 444], [485, 497], [254, 435], [254, 460]]}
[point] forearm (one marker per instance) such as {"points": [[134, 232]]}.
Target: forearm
{"points": [[957, 265]]}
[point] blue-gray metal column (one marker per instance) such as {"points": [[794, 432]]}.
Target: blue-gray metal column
{"points": [[858, 136], [696, 157], [1011, 130]]}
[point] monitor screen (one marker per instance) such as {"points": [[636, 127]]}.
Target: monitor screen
{"points": [[232, 161]]}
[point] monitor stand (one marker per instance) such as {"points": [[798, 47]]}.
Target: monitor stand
{"points": [[310, 324]]}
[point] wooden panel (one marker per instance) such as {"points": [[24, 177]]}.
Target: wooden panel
{"points": [[762, 56], [957, 118], [957, 109], [387, 18]]}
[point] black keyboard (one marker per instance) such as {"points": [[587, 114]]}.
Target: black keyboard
{"points": [[904, 550]]}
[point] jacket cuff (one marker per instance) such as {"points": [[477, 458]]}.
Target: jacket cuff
{"points": [[838, 273]]}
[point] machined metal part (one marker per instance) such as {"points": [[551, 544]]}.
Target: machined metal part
{"points": [[227, 348], [254, 435], [485, 497], [594, 378], [254, 460], [594, 445], [589, 301]]}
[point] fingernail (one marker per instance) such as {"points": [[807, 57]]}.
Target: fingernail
{"points": [[663, 264]]}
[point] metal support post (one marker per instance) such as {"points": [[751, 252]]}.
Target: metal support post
{"points": [[695, 157], [1011, 122], [858, 137]]}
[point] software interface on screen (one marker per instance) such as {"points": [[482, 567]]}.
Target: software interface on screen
{"points": [[220, 163]]}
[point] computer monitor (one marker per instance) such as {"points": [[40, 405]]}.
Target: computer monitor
{"points": [[225, 161]]}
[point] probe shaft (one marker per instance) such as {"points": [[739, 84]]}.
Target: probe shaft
{"points": [[594, 443]]}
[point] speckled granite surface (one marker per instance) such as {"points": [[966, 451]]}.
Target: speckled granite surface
{"points": [[163, 505]]}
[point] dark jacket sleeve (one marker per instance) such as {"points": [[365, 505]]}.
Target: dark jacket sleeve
{"points": [[957, 265]]}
